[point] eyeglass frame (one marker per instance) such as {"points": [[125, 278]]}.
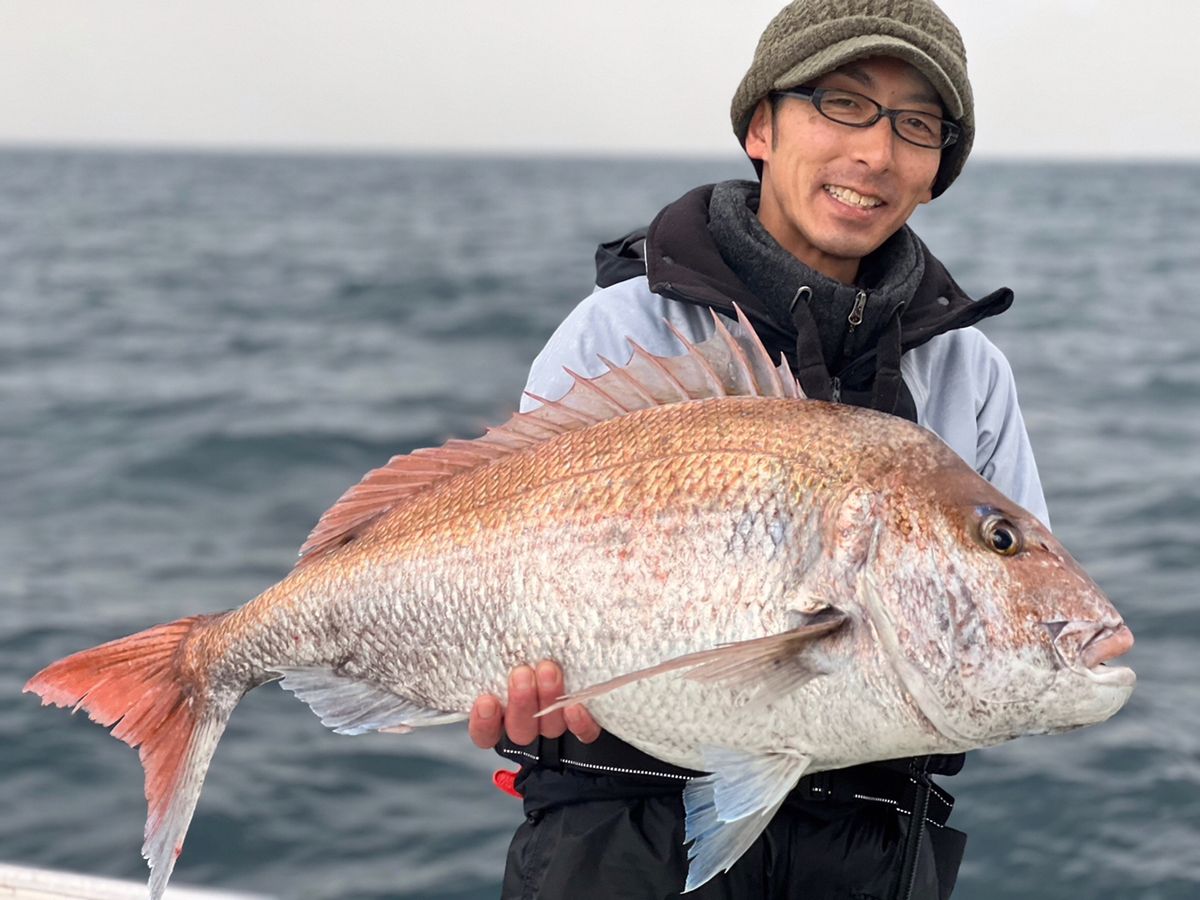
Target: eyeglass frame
{"points": [[951, 130]]}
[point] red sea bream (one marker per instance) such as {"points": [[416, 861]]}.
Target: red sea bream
{"points": [[735, 578]]}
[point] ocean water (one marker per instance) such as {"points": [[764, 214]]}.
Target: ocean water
{"points": [[198, 353]]}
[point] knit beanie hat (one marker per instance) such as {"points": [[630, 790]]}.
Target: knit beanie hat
{"points": [[810, 38]]}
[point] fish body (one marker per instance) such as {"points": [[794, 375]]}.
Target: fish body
{"points": [[736, 579]]}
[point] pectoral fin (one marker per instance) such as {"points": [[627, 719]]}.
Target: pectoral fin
{"points": [[774, 664], [727, 810]]}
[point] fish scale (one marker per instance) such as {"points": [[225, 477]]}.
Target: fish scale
{"points": [[736, 580], [472, 582]]}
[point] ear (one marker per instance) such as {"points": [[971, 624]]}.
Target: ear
{"points": [[758, 136]]}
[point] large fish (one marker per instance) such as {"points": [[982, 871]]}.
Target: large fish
{"points": [[735, 578]]}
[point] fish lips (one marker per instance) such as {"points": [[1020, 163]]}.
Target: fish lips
{"points": [[1087, 647]]}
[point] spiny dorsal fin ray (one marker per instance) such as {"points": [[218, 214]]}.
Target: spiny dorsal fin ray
{"points": [[721, 366]]}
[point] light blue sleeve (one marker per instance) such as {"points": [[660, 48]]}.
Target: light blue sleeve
{"points": [[965, 393], [1003, 454], [603, 324]]}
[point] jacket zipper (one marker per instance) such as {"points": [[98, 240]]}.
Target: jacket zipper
{"points": [[856, 313], [855, 319], [918, 772]]}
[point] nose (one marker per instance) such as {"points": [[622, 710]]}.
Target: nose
{"points": [[875, 145]]}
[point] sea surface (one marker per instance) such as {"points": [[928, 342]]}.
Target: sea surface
{"points": [[198, 353]]}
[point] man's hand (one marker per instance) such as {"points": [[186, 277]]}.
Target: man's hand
{"points": [[529, 691]]}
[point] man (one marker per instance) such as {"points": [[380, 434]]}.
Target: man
{"points": [[853, 113]]}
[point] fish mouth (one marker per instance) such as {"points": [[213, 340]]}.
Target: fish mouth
{"points": [[1088, 647]]}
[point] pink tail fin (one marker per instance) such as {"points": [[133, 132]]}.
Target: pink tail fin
{"points": [[141, 686]]}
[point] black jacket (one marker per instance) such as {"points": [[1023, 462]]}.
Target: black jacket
{"points": [[680, 258]]}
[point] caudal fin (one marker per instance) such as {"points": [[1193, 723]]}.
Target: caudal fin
{"points": [[144, 686]]}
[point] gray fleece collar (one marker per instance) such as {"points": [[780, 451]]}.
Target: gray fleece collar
{"points": [[890, 277]]}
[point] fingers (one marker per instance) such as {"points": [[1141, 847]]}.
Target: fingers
{"points": [[529, 690], [581, 723], [519, 719], [576, 718], [486, 722], [550, 688]]}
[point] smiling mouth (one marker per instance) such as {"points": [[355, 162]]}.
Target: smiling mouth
{"points": [[852, 197]]}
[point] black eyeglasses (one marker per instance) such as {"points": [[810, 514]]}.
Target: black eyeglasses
{"points": [[848, 108]]}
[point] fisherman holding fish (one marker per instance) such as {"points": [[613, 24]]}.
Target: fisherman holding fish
{"points": [[786, 610], [853, 113]]}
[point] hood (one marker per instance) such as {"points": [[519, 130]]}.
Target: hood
{"points": [[681, 260]]}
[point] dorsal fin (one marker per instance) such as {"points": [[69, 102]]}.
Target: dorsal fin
{"points": [[721, 366]]}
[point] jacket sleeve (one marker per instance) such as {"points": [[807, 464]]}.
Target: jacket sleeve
{"points": [[965, 393], [1003, 454], [603, 325]]}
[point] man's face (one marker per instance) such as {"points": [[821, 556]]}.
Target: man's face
{"points": [[831, 194]]}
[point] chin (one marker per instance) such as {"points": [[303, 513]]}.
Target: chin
{"points": [[849, 242], [850, 249]]}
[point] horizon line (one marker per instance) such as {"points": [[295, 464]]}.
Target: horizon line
{"points": [[510, 153]]}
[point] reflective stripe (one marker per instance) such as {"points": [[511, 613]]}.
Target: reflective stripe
{"points": [[595, 767]]}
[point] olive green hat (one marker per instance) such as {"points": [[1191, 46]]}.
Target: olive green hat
{"points": [[809, 38]]}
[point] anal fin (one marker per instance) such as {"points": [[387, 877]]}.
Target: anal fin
{"points": [[726, 811], [351, 705]]}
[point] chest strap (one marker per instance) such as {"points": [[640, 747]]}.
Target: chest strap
{"points": [[902, 784], [607, 755]]}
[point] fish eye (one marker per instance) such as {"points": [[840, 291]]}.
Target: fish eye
{"points": [[1000, 535]]}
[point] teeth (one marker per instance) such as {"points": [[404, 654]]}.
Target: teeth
{"points": [[853, 198]]}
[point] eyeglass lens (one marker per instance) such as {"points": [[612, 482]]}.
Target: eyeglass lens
{"points": [[850, 108]]}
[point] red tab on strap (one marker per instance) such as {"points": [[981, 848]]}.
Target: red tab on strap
{"points": [[507, 782]]}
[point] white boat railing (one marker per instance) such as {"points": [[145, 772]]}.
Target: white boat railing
{"points": [[28, 883]]}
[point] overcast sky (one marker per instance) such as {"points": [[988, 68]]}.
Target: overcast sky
{"points": [[1097, 78]]}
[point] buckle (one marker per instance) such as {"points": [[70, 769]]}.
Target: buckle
{"points": [[507, 782]]}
